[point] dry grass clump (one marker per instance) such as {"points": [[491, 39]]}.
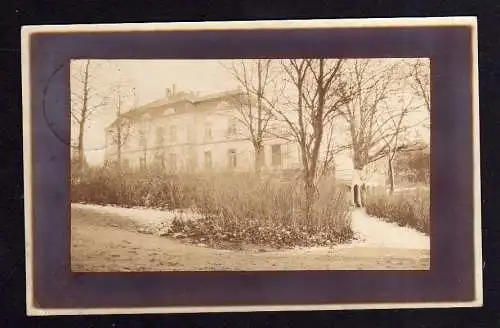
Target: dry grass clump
{"points": [[407, 208], [248, 210], [235, 208]]}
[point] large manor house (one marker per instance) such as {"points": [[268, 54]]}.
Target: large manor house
{"points": [[184, 132], [188, 133]]}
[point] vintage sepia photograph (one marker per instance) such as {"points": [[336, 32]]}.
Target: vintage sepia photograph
{"points": [[250, 164]]}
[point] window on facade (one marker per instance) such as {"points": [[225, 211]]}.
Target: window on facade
{"points": [[160, 160], [142, 139], [231, 128], [208, 132], [142, 163], [276, 155], [125, 164], [126, 144], [159, 135], [231, 156], [173, 133], [208, 159], [172, 162], [192, 161], [223, 105], [189, 133]]}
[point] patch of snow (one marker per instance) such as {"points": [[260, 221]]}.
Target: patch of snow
{"points": [[142, 215], [411, 189], [312, 250], [372, 231]]}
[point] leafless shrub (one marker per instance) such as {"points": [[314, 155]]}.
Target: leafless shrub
{"points": [[408, 208]]}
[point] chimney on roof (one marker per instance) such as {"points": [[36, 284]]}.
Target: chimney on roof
{"points": [[173, 89]]}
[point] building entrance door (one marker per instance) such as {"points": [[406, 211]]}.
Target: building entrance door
{"points": [[357, 200]]}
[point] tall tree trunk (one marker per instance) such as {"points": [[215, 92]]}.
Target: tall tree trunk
{"points": [[358, 158], [119, 146], [310, 194], [391, 174], [83, 120], [119, 133], [81, 156], [259, 157]]}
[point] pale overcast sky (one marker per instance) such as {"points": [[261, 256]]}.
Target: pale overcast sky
{"points": [[150, 78], [153, 77]]}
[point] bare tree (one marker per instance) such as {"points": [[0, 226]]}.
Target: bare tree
{"points": [[314, 99], [397, 141], [257, 79], [121, 98], [420, 80], [371, 84], [87, 98], [332, 147]]}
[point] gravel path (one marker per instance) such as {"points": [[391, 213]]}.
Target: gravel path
{"points": [[105, 238]]}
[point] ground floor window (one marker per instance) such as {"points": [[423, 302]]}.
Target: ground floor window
{"points": [[208, 159], [231, 156], [172, 162], [142, 163], [193, 160], [160, 161], [126, 164], [277, 157]]}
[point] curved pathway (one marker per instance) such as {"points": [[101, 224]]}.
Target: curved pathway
{"points": [[372, 231]]}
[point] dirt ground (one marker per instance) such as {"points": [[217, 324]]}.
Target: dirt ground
{"points": [[106, 242]]}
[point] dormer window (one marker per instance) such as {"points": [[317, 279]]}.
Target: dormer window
{"points": [[223, 105], [168, 111]]}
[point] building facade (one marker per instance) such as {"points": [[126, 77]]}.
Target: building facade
{"points": [[187, 133]]}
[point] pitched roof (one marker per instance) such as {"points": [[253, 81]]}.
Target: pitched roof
{"points": [[184, 96], [177, 98], [181, 96], [218, 95]]}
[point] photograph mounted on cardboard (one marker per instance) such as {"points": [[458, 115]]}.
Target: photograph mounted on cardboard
{"points": [[251, 166]]}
